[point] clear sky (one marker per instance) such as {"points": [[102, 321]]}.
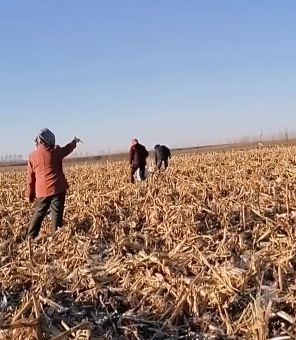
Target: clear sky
{"points": [[178, 72]]}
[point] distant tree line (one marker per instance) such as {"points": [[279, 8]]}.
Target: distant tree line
{"points": [[12, 158], [284, 134], [15, 158]]}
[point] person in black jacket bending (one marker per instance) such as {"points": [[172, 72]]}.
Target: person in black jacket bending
{"points": [[162, 154]]}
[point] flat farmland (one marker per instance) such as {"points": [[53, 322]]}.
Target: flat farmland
{"points": [[205, 250]]}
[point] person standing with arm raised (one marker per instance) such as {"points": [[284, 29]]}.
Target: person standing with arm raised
{"points": [[46, 181]]}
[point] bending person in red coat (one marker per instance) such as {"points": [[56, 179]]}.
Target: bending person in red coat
{"points": [[137, 159], [46, 180]]}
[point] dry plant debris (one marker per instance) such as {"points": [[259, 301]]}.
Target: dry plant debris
{"points": [[205, 250]]}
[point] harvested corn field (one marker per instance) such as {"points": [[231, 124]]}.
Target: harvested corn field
{"points": [[203, 251]]}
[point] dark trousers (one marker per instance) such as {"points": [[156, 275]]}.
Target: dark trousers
{"points": [[141, 172], [56, 204], [159, 163]]}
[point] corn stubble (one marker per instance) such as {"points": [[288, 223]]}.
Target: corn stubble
{"points": [[203, 251]]}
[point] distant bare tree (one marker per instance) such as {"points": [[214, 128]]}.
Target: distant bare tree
{"points": [[261, 136], [287, 136]]}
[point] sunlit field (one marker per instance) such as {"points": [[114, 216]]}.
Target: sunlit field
{"points": [[205, 250]]}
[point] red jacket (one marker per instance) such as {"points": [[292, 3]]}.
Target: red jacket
{"points": [[45, 176], [138, 155]]}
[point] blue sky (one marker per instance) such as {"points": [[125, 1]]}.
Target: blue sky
{"points": [[179, 72]]}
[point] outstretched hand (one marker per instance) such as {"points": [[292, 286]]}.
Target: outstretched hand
{"points": [[77, 140]]}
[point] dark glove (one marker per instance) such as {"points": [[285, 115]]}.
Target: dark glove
{"points": [[31, 198], [77, 140]]}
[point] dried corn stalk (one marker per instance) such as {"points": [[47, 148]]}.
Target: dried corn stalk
{"points": [[205, 249]]}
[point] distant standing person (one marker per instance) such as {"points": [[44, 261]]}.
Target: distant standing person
{"points": [[161, 154], [137, 159], [46, 180]]}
